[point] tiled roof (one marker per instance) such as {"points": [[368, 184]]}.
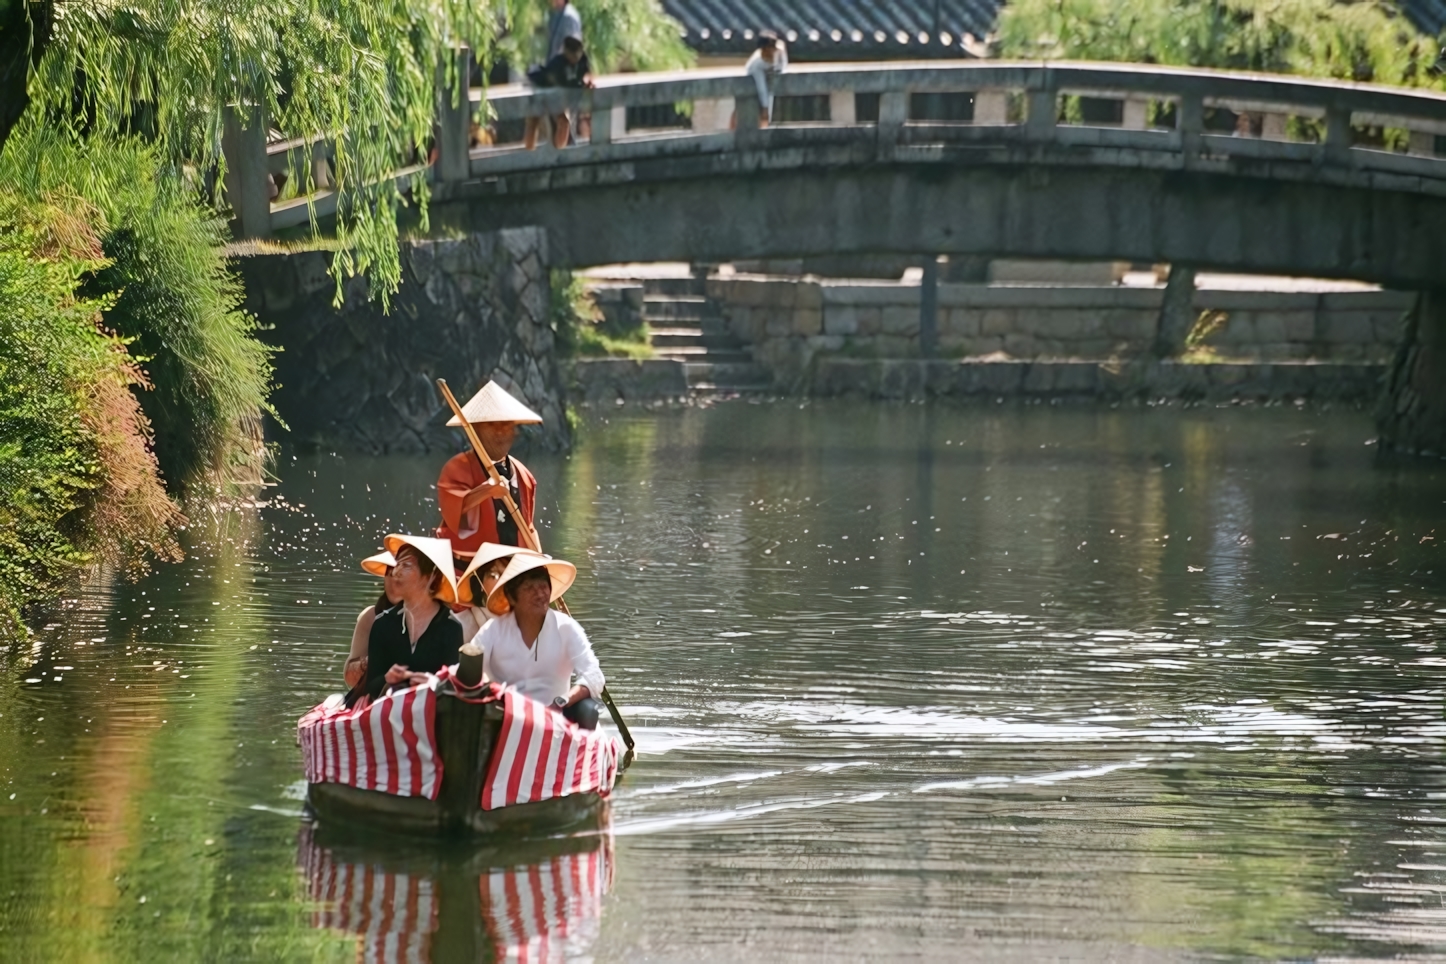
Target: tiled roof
{"points": [[1429, 16], [836, 29]]}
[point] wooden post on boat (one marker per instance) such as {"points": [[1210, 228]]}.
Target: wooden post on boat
{"points": [[528, 533]]}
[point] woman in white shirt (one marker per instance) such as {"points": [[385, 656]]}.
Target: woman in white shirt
{"points": [[536, 648]]}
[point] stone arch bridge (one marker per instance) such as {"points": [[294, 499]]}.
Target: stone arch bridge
{"points": [[1205, 169]]}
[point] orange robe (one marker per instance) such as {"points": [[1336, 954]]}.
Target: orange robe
{"points": [[462, 474]]}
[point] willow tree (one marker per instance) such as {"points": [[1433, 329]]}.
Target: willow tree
{"points": [[363, 75], [1361, 40]]}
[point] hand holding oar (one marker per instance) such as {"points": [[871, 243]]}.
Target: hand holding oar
{"points": [[528, 533]]}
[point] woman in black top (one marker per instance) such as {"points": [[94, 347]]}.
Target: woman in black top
{"points": [[419, 635]]}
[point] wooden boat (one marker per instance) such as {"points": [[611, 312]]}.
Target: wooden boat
{"points": [[466, 736]]}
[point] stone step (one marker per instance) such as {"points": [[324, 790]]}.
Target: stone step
{"points": [[668, 337], [674, 299], [678, 310], [700, 354], [709, 326], [713, 388], [672, 286]]}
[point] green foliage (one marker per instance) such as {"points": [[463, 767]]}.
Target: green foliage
{"points": [[363, 74], [1197, 341], [1361, 40], [618, 34], [171, 298], [75, 473], [583, 332]]}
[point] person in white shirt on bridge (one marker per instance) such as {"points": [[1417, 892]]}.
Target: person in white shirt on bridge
{"points": [[536, 648], [767, 62]]}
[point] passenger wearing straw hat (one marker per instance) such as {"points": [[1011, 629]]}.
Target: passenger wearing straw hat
{"points": [[380, 564], [538, 649], [419, 635], [475, 582], [472, 508]]}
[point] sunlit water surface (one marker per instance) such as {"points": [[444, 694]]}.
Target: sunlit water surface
{"points": [[907, 682]]}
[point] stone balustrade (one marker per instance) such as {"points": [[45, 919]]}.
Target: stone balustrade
{"points": [[1151, 117]]}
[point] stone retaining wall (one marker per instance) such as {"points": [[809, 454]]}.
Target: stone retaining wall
{"points": [[595, 381], [1358, 382], [791, 323], [357, 378]]}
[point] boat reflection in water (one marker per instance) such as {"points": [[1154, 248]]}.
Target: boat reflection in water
{"points": [[405, 901]]}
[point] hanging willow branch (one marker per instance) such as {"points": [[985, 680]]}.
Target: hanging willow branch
{"points": [[358, 74], [357, 78]]}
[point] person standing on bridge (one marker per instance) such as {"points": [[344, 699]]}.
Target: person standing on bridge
{"points": [[563, 22], [472, 508], [767, 62], [568, 69]]}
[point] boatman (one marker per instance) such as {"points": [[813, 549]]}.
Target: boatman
{"points": [[472, 508]]}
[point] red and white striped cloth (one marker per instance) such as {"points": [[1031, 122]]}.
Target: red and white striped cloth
{"points": [[388, 745], [548, 911], [541, 755], [394, 914]]}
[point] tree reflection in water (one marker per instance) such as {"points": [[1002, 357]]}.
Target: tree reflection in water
{"points": [[534, 901]]}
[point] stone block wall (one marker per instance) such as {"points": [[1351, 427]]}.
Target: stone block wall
{"points": [[790, 323], [357, 378]]}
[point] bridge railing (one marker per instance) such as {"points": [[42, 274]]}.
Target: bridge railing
{"points": [[1158, 116]]}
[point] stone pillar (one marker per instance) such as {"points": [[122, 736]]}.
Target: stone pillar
{"points": [[243, 140], [841, 107], [750, 114], [1411, 416], [1136, 114], [1041, 114], [929, 309], [1190, 122], [1338, 135], [356, 378], [454, 122], [991, 107], [893, 114], [1177, 312]]}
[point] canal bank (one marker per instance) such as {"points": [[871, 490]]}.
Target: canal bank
{"points": [[811, 336], [353, 377]]}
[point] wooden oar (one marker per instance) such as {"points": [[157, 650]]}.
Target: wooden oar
{"points": [[522, 527]]}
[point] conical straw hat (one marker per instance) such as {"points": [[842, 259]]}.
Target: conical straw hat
{"points": [[437, 550], [563, 575], [494, 404], [378, 564], [487, 552]]}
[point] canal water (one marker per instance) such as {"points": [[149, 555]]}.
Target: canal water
{"points": [[969, 682]]}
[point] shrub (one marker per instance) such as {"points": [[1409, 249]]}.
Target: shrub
{"points": [[77, 478], [169, 294], [581, 329], [1364, 40]]}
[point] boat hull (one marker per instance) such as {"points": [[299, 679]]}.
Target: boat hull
{"points": [[466, 735]]}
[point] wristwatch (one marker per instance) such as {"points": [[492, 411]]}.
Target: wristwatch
{"points": [[560, 702]]}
